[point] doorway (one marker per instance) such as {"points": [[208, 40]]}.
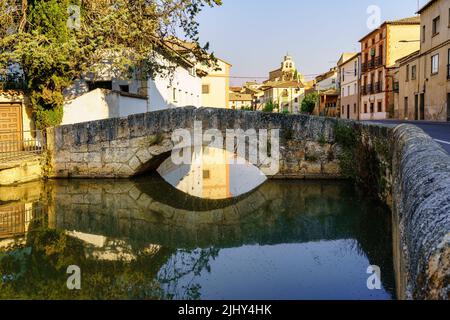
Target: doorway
{"points": [[422, 106], [10, 127], [416, 107], [448, 107]]}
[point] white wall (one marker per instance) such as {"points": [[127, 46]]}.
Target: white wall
{"points": [[188, 90], [160, 91], [101, 104], [328, 83]]}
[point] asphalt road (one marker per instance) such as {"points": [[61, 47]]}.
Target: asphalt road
{"points": [[439, 131]]}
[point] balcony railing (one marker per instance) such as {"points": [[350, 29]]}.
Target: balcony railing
{"points": [[448, 72], [363, 90], [378, 61], [377, 87], [19, 145], [369, 89], [364, 67]]}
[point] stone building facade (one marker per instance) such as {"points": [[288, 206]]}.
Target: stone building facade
{"points": [[424, 76], [380, 49]]}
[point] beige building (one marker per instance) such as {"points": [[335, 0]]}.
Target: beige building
{"points": [[326, 86], [380, 49], [216, 86], [287, 72], [348, 85], [286, 96], [284, 88], [240, 101], [424, 76]]}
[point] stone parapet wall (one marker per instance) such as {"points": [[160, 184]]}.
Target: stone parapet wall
{"points": [[122, 148], [421, 205]]}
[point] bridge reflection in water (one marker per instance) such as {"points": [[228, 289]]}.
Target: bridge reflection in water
{"points": [[212, 173], [285, 240]]}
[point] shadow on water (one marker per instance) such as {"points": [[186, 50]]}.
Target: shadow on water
{"points": [[143, 239]]}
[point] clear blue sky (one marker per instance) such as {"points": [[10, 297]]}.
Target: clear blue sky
{"points": [[254, 35]]}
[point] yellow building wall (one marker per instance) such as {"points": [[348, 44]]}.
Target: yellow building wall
{"points": [[219, 87], [397, 47]]}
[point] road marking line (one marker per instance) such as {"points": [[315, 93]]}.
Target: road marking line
{"points": [[442, 141]]}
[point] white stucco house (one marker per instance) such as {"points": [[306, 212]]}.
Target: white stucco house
{"points": [[109, 97]]}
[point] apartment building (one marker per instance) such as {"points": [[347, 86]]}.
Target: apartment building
{"points": [[326, 86], [380, 49], [424, 76], [348, 85]]}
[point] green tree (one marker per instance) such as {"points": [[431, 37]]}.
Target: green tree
{"points": [[309, 102], [270, 106], [54, 44]]}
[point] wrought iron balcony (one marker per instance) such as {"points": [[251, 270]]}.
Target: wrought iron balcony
{"points": [[377, 87], [369, 89], [363, 90], [378, 61], [364, 67]]}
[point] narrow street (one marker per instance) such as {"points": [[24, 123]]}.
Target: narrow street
{"points": [[439, 131]]}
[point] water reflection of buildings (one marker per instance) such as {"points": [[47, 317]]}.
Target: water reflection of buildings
{"points": [[210, 174], [18, 211], [119, 220]]}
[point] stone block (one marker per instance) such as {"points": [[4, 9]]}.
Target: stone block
{"points": [[134, 163], [143, 155], [331, 168], [313, 168], [62, 157], [122, 143], [77, 157], [93, 157], [125, 171]]}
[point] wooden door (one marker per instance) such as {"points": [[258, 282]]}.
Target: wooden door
{"points": [[10, 127]]}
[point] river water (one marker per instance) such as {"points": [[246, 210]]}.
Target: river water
{"points": [[154, 238]]}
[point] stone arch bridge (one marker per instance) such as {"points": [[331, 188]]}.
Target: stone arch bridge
{"points": [[127, 147]]}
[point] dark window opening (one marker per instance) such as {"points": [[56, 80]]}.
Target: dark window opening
{"points": [[99, 85], [125, 88]]}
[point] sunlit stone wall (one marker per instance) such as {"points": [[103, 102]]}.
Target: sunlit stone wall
{"points": [[130, 146]]}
